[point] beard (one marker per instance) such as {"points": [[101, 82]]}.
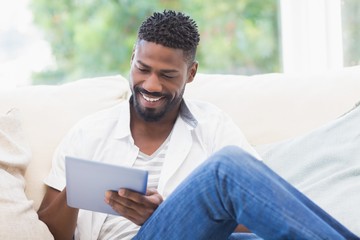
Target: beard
{"points": [[154, 114]]}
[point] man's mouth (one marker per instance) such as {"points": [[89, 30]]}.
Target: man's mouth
{"points": [[150, 99]]}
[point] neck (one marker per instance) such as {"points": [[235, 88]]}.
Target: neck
{"points": [[149, 136]]}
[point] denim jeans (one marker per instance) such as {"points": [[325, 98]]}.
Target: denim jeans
{"points": [[231, 188]]}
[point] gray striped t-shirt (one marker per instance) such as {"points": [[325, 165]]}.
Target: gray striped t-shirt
{"points": [[116, 227]]}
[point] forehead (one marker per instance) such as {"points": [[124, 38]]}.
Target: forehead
{"points": [[152, 53]]}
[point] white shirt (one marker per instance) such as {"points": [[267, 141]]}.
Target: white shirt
{"points": [[200, 130]]}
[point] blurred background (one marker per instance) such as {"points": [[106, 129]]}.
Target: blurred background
{"points": [[51, 42]]}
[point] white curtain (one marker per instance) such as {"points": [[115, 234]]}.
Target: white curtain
{"points": [[311, 35]]}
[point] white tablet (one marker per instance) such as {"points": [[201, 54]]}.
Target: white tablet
{"points": [[87, 181]]}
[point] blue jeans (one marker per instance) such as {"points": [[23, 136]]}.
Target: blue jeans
{"points": [[231, 188]]}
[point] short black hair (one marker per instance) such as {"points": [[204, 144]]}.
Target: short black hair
{"points": [[171, 29]]}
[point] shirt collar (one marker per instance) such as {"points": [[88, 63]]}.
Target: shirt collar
{"points": [[187, 115], [123, 125]]}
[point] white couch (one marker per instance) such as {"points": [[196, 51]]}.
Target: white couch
{"points": [[268, 107]]}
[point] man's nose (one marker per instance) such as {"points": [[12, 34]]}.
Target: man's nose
{"points": [[152, 83]]}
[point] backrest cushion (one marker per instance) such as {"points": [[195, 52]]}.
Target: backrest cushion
{"points": [[277, 106], [48, 112], [325, 165]]}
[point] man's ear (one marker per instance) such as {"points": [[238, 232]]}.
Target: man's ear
{"points": [[132, 55], [192, 71]]}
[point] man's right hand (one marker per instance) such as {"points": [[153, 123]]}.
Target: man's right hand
{"points": [[134, 206]]}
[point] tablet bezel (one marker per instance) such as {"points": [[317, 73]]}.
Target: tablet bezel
{"points": [[88, 180]]}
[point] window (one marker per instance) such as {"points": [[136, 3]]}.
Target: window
{"points": [[22, 48], [350, 10], [90, 38], [311, 35], [319, 35]]}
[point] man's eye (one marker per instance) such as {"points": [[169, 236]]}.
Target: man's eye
{"points": [[143, 70], [167, 76]]}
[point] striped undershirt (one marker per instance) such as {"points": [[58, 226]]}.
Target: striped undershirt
{"points": [[116, 227]]}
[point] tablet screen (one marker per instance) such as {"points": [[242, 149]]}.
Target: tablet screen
{"points": [[87, 181]]}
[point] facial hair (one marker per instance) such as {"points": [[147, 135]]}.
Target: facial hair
{"points": [[151, 114]]}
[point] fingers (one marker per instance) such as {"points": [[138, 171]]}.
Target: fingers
{"points": [[132, 205], [131, 195], [154, 196], [151, 198], [127, 208]]}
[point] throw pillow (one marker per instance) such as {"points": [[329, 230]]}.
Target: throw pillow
{"points": [[18, 219], [325, 165]]}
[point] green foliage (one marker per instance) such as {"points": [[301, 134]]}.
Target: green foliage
{"points": [[351, 32], [96, 37]]}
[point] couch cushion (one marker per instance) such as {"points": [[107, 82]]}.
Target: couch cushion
{"points": [[325, 165], [18, 219], [277, 106], [48, 112]]}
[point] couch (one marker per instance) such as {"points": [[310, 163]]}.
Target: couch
{"points": [[273, 110]]}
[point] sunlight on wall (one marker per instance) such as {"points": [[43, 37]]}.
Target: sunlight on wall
{"points": [[22, 49]]}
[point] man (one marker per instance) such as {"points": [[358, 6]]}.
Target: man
{"points": [[157, 130]]}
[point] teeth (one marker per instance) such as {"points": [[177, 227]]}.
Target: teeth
{"points": [[149, 99]]}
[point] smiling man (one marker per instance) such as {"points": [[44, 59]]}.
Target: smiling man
{"points": [[197, 187], [166, 74], [156, 130]]}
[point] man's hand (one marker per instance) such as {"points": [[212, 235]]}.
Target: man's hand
{"points": [[132, 205]]}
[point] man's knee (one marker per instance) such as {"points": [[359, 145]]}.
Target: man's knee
{"points": [[231, 163], [233, 151], [232, 158], [233, 154]]}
